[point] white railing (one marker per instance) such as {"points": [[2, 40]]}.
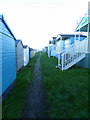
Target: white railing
{"points": [[70, 56]]}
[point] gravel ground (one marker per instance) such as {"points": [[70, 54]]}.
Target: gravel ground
{"points": [[35, 106]]}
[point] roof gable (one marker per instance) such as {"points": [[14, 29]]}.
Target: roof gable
{"points": [[6, 25], [82, 23], [18, 41], [54, 38], [25, 46]]}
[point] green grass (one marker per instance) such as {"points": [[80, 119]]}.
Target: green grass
{"points": [[14, 102], [67, 91]]}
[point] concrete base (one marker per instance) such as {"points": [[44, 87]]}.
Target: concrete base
{"points": [[85, 63]]}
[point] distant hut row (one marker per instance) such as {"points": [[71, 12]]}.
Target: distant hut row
{"points": [[72, 49], [13, 56]]}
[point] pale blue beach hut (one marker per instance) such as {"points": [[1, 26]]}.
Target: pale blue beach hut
{"points": [[7, 58]]}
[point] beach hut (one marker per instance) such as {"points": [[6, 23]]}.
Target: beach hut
{"points": [[32, 52], [19, 54], [64, 41], [29, 53], [45, 49], [70, 49], [84, 26], [26, 54], [52, 47], [35, 51], [49, 49], [79, 51], [7, 58]]}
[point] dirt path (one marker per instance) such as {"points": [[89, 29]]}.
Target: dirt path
{"points": [[35, 106]]}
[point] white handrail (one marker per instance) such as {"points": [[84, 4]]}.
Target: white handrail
{"points": [[77, 42], [75, 51]]}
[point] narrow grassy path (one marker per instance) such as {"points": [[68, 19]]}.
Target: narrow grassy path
{"points": [[14, 103], [35, 105], [67, 91]]}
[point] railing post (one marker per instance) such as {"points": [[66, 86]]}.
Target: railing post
{"points": [[65, 59], [62, 62], [58, 59]]}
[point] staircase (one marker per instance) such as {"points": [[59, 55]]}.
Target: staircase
{"points": [[72, 55]]}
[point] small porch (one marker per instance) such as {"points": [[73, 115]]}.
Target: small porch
{"points": [[84, 26]]}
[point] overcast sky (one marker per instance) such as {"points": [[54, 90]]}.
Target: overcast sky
{"points": [[35, 22]]}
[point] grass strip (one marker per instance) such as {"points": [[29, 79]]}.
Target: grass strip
{"points": [[12, 106], [67, 91]]}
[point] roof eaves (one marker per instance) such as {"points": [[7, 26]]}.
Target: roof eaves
{"points": [[2, 17], [19, 41], [25, 46]]}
